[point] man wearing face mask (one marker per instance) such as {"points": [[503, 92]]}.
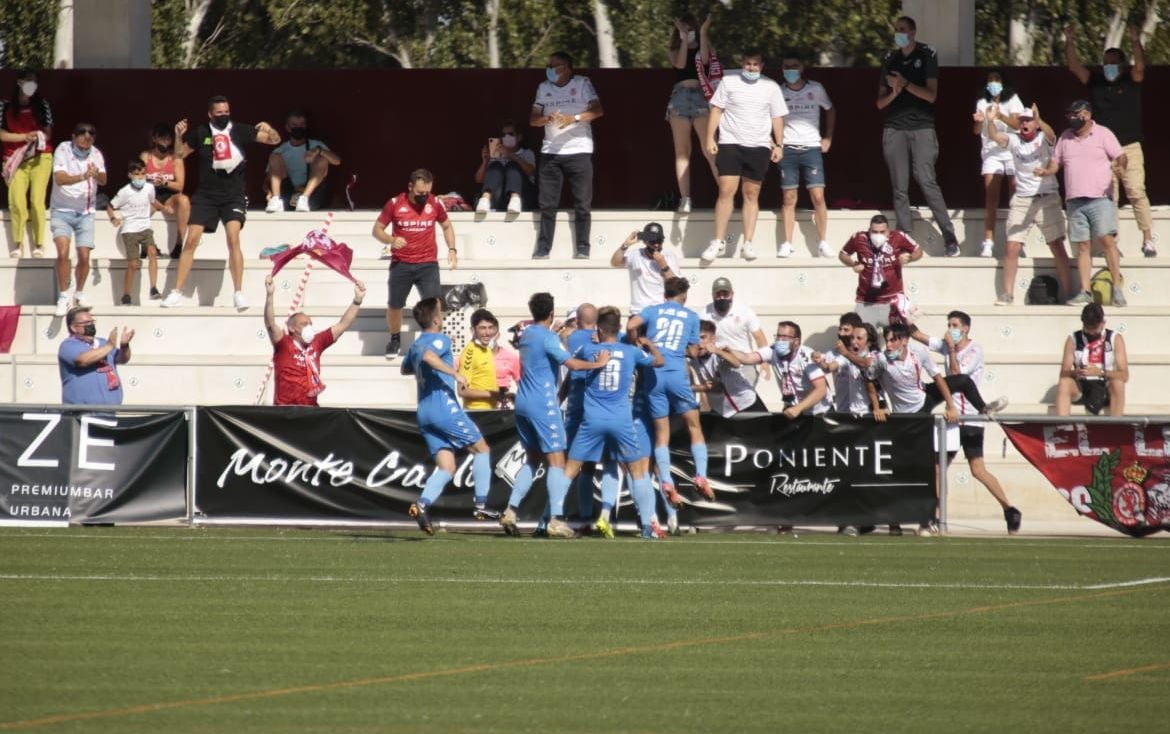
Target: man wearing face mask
{"points": [[220, 195], [88, 364], [649, 266], [736, 326], [907, 90], [804, 149], [297, 348], [877, 256], [1091, 157], [802, 381], [1115, 91], [298, 167], [414, 251], [565, 105], [79, 169]]}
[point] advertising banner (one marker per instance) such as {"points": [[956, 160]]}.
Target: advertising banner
{"points": [[66, 466], [1118, 475]]}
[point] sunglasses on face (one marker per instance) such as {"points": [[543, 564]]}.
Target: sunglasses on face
{"points": [[84, 131]]}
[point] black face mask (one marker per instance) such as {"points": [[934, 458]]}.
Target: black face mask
{"points": [[420, 199], [162, 148], [298, 133], [221, 121], [89, 329], [1076, 123], [722, 305]]}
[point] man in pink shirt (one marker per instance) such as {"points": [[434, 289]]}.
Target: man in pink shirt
{"points": [[1091, 156]]}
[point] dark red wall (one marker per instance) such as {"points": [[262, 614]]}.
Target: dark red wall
{"points": [[385, 123]]}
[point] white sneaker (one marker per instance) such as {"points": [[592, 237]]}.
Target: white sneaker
{"points": [[484, 205], [38, 251], [987, 248], [515, 205], [785, 250], [62, 305], [824, 249], [275, 205], [672, 525], [239, 301], [303, 204], [714, 250], [174, 299], [746, 251], [684, 205], [81, 300], [996, 406], [15, 252]]}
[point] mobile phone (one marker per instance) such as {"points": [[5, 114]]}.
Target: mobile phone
{"points": [[493, 147]]}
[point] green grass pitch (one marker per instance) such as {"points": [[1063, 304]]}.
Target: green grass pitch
{"points": [[134, 630]]}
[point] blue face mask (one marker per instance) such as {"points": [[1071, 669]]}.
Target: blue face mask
{"points": [[550, 73], [750, 76], [994, 88], [138, 183], [792, 76], [781, 347], [1112, 72], [80, 152], [901, 40], [893, 354], [956, 335]]}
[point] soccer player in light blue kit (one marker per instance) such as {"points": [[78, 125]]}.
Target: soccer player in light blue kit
{"points": [[573, 390], [539, 424], [442, 422], [674, 329], [609, 422]]}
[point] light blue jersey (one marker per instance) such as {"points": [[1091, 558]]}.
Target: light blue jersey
{"points": [[607, 391], [441, 420], [672, 327]]}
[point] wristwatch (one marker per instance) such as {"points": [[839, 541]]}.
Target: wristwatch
{"points": [[577, 118]]}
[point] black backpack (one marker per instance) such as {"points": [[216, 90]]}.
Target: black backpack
{"points": [[1043, 291]]}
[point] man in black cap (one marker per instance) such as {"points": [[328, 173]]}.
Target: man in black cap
{"points": [[649, 266]]}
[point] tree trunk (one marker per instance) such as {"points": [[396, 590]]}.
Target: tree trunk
{"points": [[1116, 30], [493, 39], [63, 42], [607, 56], [196, 12], [1020, 33]]}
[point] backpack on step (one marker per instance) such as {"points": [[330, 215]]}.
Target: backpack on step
{"points": [[1043, 291]]}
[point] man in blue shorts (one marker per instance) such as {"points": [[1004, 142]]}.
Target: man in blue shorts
{"points": [[584, 319], [539, 423], [674, 329], [609, 422], [441, 420]]}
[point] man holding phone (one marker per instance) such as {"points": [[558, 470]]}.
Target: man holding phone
{"points": [[649, 266], [298, 167]]}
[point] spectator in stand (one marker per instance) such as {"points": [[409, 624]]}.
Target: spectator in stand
{"points": [[414, 251], [802, 381], [649, 266], [690, 55], [907, 89], [1036, 200], [89, 364], [78, 170], [566, 104], [804, 148], [297, 348], [220, 196], [168, 174], [964, 356], [507, 172], [998, 107], [747, 110], [478, 364], [877, 256], [717, 379], [298, 167], [1094, 368], [1115, 91], [1091, 157], [136, 201], [26, 129], [736, 326]]}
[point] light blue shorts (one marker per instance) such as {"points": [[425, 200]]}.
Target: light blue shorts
{"points": [[594, 438], [453, 433], [687, 102], [78, 226], [546, 434], [1089, 219], [802, 161]]}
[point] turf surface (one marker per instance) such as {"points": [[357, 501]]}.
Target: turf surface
{"points": [[166, 630]]}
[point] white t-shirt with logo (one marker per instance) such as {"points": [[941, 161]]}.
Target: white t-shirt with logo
{"points": [[736, 393], [902, 378], [796, 374], [990, 148], [80, 196], [646, 282], [849, 393], [748, 109], [1028, 156], [135, 207], [970, 363], [803, 124], [571, 99]]}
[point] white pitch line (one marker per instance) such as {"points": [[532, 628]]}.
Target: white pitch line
{"points": [[575, 581]]}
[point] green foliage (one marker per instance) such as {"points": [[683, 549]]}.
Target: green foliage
{"points": [[28, 28]]}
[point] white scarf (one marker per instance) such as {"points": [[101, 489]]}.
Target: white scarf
{"points": [[225, 156]]}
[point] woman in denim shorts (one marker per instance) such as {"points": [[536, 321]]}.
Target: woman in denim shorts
{"points": [[688, 105]]}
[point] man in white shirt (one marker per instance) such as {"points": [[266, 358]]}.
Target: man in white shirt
{"points": [[804, 147], [802, 381], [1036, 200], [736, 326], [565, 106], [748, 111], [649, 266], [78, 171], [719, 382]]}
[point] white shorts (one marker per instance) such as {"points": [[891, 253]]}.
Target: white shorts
{"points": [[998, 164]]}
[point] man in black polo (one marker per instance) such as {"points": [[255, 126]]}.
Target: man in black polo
{"points": [[906, 91], [1115, 91]]}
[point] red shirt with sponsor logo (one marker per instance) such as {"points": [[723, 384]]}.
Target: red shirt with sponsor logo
{"points": [[880, 280], [416, 226], [298, 370]]}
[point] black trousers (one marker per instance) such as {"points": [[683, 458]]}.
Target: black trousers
{"points": [[554, 170], [958, 385]]}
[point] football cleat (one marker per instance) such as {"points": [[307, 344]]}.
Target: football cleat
{"points": [[560, 529], [1013, 518], [481, 512], [657, 529], [672, 524], [704, 488], [672, 495], [419, 513], [604, 529], [508, 522]]}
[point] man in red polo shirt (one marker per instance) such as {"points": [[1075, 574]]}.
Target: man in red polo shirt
{"points": [[414, 252]]}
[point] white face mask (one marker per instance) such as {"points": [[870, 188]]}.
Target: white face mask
{"points": [[29, 88], [509, 141], [878, 239], [307, 333], [690, 37]]}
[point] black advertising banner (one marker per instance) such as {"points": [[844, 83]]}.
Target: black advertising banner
{"points": [[72, 466], [321, 464]]}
